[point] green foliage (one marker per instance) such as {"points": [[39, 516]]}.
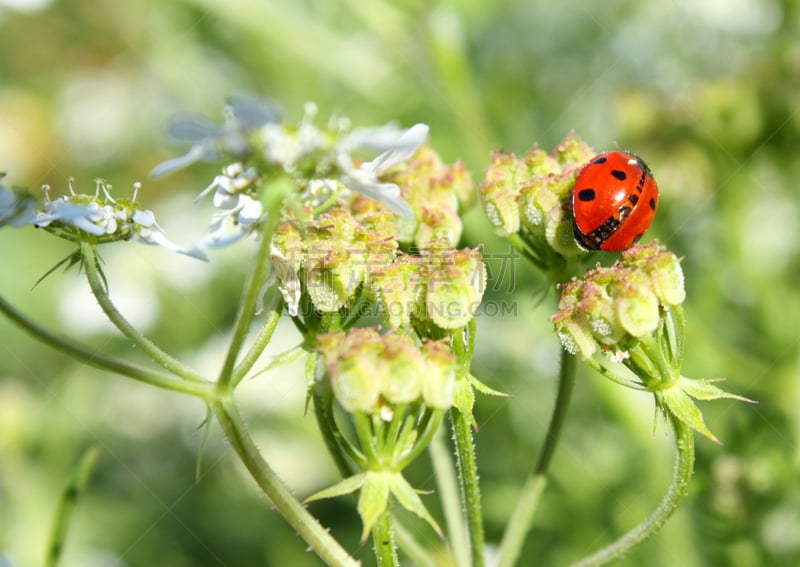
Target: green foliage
{"points": [[707, 95]]}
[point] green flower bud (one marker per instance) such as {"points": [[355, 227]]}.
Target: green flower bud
{"points": [[355, 368], [635, 304], [438, 385], [405, 370], [399, 292], [539, 163], [573, 152], [499, 194], [455, 280]]}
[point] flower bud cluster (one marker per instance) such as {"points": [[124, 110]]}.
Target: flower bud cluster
{"points": [[337, 255], [528, 195], [612, 308], [436, 192], [444, 286], [373, 373]]}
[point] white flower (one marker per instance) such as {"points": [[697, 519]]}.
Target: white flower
{"points": [[397, 146], [239, 212], [99, 216], [243, 114], [16, 207]]}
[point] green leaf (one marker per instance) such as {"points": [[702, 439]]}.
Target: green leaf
{"points": [[483, 388], [410, 500], [374, 499], [347, 486], [464, 398], [70, 260], [706, 390], [679, 404]]}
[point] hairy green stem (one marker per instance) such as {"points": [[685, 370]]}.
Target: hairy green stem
{"points": [[681, 477], [522, 517], [470, 491], [91, 357], [338, 447], [90, 265], [263, 337], [383, 541], [313, 533], [447, 485], [247, 304]]}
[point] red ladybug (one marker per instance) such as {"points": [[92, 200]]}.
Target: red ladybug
{"points": [[613, 202]]}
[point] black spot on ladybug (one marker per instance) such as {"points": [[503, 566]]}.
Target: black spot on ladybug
{"points": [[652, 203], [641, 182], [633, 198], [600, 159], [586, 195], [619, 174]]}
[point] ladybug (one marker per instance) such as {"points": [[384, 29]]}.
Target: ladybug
{"points": [[613, 202]]}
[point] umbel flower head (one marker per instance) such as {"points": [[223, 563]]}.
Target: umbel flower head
{"points": [[614, 308], [396, 391], [365, 170], [96, 217], [629, 316], [524, 197], [374, 373]]}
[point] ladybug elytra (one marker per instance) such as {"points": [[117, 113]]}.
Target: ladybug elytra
{"points": [[613, 202]]}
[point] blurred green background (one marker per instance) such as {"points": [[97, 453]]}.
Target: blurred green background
{"points": [[708, 93]]}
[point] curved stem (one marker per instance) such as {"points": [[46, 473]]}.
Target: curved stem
{"points": [[465, 451], [681, 477], [338, 446], [313, 533], [521, 518], [383, 541], [89, 257], [264, 336], [247, 304], [91, 357]]}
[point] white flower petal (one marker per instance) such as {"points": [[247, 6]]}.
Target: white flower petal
{"points": [[250, 211], [202, 151], [157, 238]]}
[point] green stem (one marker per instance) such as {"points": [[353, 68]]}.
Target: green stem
{"points": [[247, 304], [465, 451], [366, 437], [264, 336], [411, 548], [91, 357], [313, 533], [522, 517], [383, 541], [681, 477], [338, 447], [66, 505], [89, 256], [447, 486], [430, 429]]}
